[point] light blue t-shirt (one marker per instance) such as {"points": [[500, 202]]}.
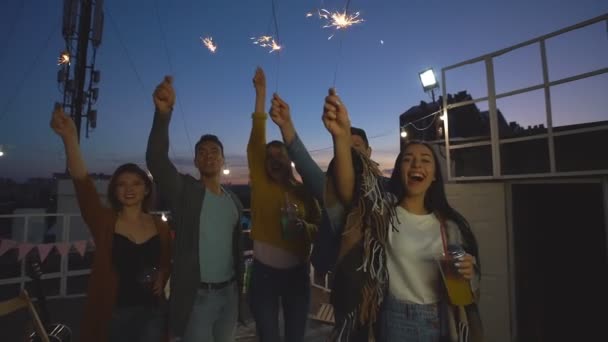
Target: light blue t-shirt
{"points": [[218, 217]]}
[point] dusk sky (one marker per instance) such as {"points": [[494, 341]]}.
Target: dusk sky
{"points": [[375, 64]]}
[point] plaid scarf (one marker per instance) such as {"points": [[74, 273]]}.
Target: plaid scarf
{"points": [[361, 276]]}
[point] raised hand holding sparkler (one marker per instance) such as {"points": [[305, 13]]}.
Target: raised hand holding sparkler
{"points": [[335, 116], [279, 111], [62, 124], [259, 83], [164, 97], [281, 116]]}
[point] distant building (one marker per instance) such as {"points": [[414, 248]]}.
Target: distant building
{"points": [[34, 196], [468, 124], [464, 122]]}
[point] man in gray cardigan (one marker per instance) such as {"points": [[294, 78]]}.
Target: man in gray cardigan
{"points": [[207, 253]]}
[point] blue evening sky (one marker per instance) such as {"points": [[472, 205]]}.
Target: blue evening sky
{"points": [[145, 40]]}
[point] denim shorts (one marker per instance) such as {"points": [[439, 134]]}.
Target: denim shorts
{"points": [[406, 322]]}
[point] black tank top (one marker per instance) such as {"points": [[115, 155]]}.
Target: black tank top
{"points": [[137, 268]]}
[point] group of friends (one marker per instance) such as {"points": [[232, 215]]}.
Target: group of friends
{"points": [[379, 238]]}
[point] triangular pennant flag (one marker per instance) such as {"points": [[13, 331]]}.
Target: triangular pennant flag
{"points": [[81, 247], [44, 250], [24, 248], [63, 248], [7, 245]]}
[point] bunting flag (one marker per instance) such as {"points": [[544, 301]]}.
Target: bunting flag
{"points": [[63, 248], [44, 250], [7, 245], [81, 247], [24, 248]]}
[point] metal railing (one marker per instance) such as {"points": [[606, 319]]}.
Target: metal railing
{"points": [[64, 236], [65, 227], [495, 141]]}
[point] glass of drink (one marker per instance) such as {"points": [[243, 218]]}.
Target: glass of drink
{"points": [[148, 276], [458, 288], [290, 223]]}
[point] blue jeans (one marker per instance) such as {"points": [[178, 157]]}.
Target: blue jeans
{"points": [[214, 315], [292, 286], [407, 322], [137, 324]]}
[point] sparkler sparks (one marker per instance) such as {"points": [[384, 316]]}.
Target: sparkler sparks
{"points": [[208, 42], [267, 42], [337, 20], [64, 58]]}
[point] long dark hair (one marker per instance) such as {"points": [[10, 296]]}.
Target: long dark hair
{"points": [[435, 200], [281, 145], [136, 170]]}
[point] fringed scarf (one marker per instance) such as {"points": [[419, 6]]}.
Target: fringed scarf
{"points": [[361, 276]]}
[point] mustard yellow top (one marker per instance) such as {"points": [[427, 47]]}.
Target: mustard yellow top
{"points": [[267, 198]]}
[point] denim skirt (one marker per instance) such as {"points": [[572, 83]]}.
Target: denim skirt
{"points": [[407, 322]]}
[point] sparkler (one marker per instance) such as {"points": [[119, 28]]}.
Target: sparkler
{"points": [[337, 20], [267, 42], [64, 58], [208, 42]]}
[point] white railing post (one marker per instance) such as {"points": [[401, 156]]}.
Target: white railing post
{"points": [[65, 237], [549, 113], [26, 223], [494, 128]]}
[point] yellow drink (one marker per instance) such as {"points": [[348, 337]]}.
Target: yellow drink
{"points": [[458, 288]]}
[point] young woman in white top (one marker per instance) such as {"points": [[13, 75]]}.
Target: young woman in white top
{"points": [[416, 307], [394, 231]]}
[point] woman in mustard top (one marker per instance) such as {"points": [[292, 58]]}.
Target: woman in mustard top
{"points": [[284, 220]]}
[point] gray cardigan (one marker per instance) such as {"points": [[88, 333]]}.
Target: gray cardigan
{"points": [[327, 244], [185, 196]]}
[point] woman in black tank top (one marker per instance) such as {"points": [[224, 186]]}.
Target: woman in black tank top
{"points": [[136, 249], [131, 263]]}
